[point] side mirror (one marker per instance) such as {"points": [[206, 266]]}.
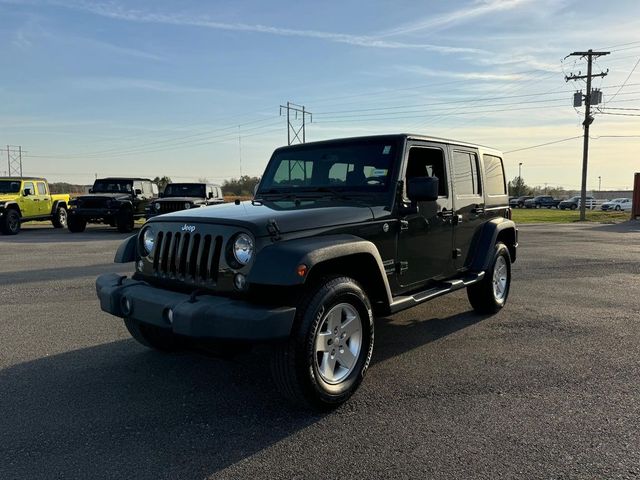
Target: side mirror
{"points": [[26, 192], [161, 194], [91, 190], [422, 189], [138, 191], [210, 195]]}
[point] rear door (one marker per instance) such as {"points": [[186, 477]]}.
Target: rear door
{"points": [[468, 200], [44, 199]]}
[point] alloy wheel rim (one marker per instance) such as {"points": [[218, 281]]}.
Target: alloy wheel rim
{"points": [[500, 274], [13, 222], [62, 217], [338, 343]]}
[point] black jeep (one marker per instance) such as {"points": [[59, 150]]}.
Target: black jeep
{"points": [[183, 196], [115, 201], [339, 232]]}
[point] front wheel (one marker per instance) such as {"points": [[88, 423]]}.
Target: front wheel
{"points": [[10, 223], [574, 206], [491, 293], [124, 221], [76, 224], [617, 208], [59, 219], [324, 361]]}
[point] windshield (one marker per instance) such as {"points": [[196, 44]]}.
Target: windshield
{"points": [[184, 190], [9, 186], [361, 166], [112, 186]]}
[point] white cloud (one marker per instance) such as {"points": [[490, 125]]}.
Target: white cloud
{"points": [[469, 12], [488, 76], [123, 83], [119, 12]]}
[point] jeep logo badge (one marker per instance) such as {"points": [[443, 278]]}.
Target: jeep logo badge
{"points": [[188, 228]]}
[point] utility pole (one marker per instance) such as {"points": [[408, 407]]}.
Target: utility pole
{"points": [[520, 171], [293, 129], [588, 119], [14, 160], [599, 183]]}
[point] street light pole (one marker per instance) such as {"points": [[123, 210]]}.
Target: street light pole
{"points": [[599, 183], [520, 170]]}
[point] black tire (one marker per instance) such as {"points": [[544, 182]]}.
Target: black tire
{"points": [[152, 337], [124, 220], [295, 363], [76, 224], [482, 295], [10, 224], [617, 209], [574, 206], [59, 218]]}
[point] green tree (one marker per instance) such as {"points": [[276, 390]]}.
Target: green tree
{"points": [[240, 186], [162, 182], [517, 187]]}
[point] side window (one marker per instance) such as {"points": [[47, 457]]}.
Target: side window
{"points": [[137, 186], [42, 189], [494, 178], [466, 173], [428, 162], [29, 186]]}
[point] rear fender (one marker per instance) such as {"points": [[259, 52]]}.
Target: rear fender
{"points": [[497, 229]]}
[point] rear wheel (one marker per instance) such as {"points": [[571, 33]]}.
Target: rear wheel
{"points": [[151, 336], [618, 208], [59, 219], [574, 206], [76, 224], [10, 224], [491, 293], [124, 221], [325, 359]]}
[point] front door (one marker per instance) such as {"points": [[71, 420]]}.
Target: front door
{"points": [[468, 202], [29, 204], [426, 230]]}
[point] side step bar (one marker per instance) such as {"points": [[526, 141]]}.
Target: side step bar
{"points": [[408, 301]]}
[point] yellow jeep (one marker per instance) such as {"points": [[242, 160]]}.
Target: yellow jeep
{"points": [[24, 199]]}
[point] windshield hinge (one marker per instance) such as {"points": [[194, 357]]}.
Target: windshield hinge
{"points": [[274, 231]]}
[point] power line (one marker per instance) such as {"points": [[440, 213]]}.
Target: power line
{"points": [[626, 80], [543, 144]]}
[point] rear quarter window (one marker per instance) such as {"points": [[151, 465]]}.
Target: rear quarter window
{"points": [[494, 179]]}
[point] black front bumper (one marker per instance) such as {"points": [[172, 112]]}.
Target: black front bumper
{"points": [[203, 316]]}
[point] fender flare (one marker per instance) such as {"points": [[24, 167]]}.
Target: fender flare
{"points": [[487, 239], [56, 204], [277, 264], [11, 204], [127, 251]]}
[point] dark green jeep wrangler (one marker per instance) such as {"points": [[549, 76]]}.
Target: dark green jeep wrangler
{"points": [[339, 232], [115, 201]]}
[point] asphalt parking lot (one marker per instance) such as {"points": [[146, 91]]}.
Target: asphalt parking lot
{"points": [[548, 388]]}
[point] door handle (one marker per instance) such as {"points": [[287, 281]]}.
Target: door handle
{"points": [[477, 210], [445, 213]]}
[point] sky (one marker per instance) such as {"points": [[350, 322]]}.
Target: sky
{"points": [[192, 89]]}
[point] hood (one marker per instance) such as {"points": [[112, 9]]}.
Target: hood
{"points": [[99, 196], [288, 216], [7, 197], [179, 199]]}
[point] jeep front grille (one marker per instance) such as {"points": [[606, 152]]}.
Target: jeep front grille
{"points": [[166, 207], [92, 203], [191, 258]]}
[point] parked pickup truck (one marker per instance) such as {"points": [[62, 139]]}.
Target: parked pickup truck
{"points": [[338, 232], [518, 202], [24, 199], [574, 202], [542, 201]]}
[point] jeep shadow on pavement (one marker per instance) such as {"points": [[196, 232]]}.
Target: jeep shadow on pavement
{"points": [[117, 202], [338, 232], [183, 196]]}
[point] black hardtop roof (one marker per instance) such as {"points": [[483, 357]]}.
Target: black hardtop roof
{"points": [[389, 137], [193, 183], [23, 178]]}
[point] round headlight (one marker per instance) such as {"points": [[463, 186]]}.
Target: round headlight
{"points": [[156, 206], [148, 241], [243, 248], [187, 205]]}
